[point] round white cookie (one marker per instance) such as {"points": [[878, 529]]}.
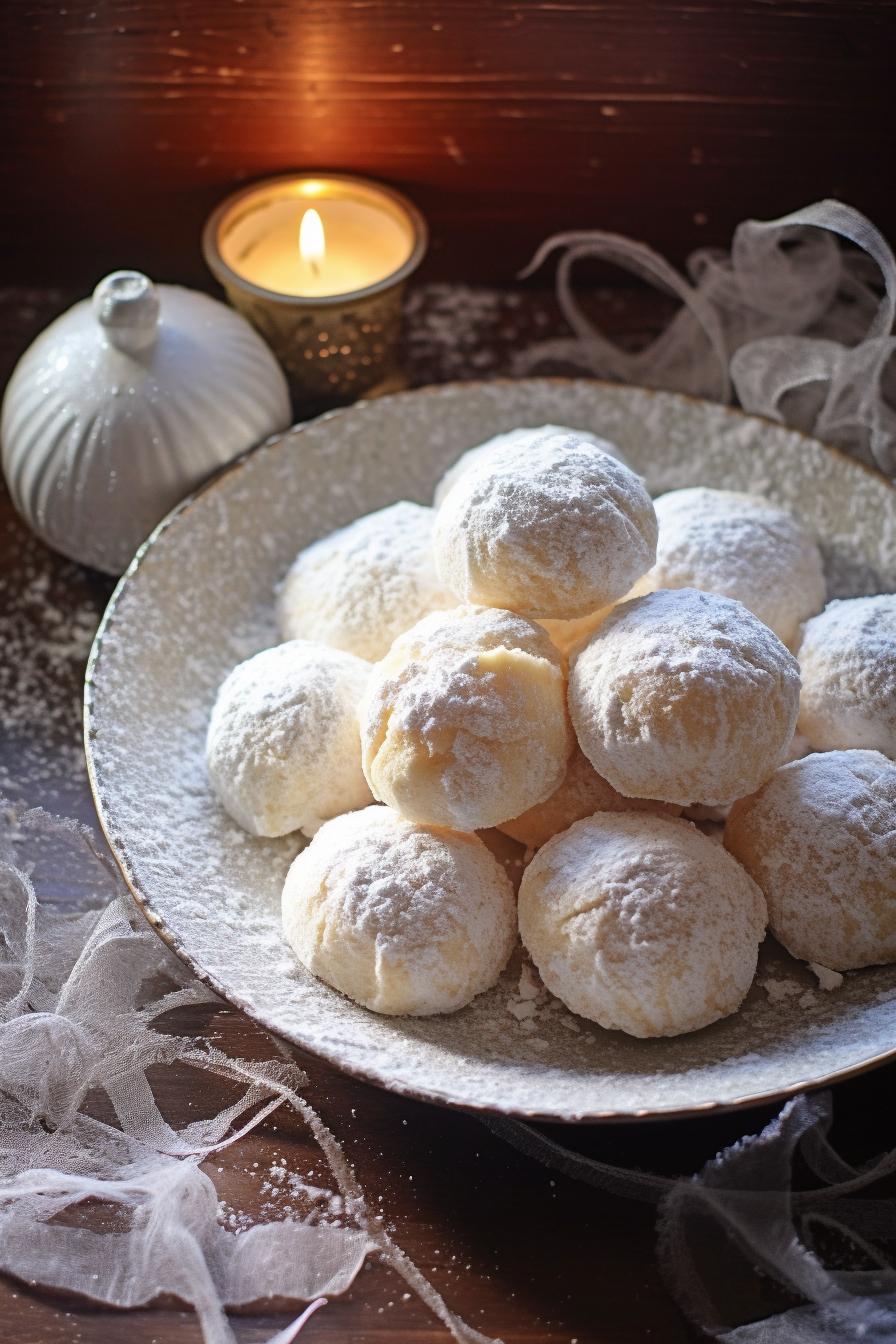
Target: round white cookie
{"points": [[283, 750], [819, 838], [848, 664], [557, 531], [743, 547], [402, 918], [464, 722], [363, 586], [684, 696], [520, 438], [641, 923]]}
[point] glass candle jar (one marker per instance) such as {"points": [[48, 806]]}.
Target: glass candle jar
{"points": [[317, 262]]}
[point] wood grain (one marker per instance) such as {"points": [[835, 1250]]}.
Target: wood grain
{"points": [[126, 120]]}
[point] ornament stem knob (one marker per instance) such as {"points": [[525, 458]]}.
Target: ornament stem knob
{"points": [[126, 306]]}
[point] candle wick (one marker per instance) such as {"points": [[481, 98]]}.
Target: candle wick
{"points": [[315, 268]]}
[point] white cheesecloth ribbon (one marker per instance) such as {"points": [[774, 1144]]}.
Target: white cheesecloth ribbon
{"points": [[743, 1200], [787, 318], [80, 999]]}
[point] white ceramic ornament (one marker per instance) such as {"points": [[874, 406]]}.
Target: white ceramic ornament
{"points": [[126, 403]]}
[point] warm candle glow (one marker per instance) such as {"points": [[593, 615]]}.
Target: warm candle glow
{"points": [[317, 264], [312, 244], [351, 234]]}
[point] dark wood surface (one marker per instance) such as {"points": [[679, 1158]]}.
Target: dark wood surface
{"points": [[125, 121], [520, 1252]]}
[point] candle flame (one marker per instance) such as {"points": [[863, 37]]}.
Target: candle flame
{"points": [[311, 240]]}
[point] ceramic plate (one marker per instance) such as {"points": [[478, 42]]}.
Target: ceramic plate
{"points": [[199, 598]]}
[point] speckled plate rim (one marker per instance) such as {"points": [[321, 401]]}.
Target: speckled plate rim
{"points": [[120, 850]]}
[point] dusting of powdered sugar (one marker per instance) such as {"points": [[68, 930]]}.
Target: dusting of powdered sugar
{"points": [[449, 326], [464, 722], [684, 696], [556, 530], [848, 665], [820, 839], [400, 917], [520, 439], [364, 585], [43, 649], [742, 547], [639, 922], [282, 749]]}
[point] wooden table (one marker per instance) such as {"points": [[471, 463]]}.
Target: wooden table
{"points": [[517, 1250]]}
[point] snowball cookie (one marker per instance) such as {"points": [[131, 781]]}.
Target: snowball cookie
{"points": [[557, 531], [820, 839], [581, 793], [402, 918], [520, 438], [361, 587], [740, 546], [684, 696], [848, 663], [641, 923], [464, 722], [282, 750]]}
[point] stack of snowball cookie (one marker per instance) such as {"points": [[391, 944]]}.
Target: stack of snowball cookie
{"points": [[605, 679]]}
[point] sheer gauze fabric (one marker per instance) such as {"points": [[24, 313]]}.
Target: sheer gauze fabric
{"points": [[735, 1237], [81, 995], [787, 319]]}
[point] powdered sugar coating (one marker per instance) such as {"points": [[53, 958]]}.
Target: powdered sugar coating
{"points": [[464, 722], [520, 438], [684, 696], [282, 750], [581, 793], [819, 837], [557, 531], [848, 664], [740, 546], [641, 923], [402, 918], [362, 586]]}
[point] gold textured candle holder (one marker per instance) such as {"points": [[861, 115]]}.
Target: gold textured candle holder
{"points": [[334, 348]]}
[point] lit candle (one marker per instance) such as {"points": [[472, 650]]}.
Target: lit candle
{"points": [[317, 264], [312, 241]]}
